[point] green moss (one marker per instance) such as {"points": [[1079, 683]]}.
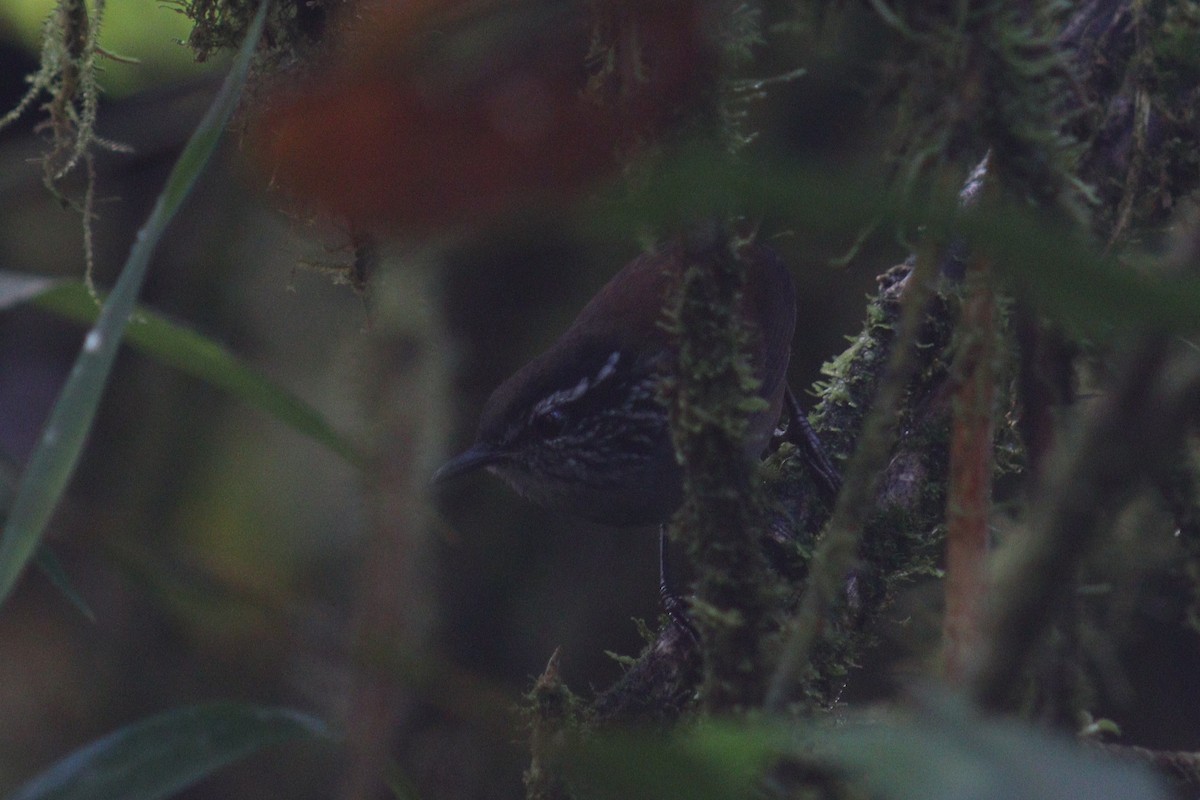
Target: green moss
{"points": [[67, 76], [553, 714], [977, 77], [902, 541], [852, 376], [293, 27], [1176, 48]]}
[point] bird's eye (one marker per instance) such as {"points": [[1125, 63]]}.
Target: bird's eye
{"points": [[550, 423]]}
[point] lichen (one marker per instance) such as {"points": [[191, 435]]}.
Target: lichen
{"points": [[67, 76]]}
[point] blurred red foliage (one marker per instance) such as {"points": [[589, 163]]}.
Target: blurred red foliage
{"points": [[432, 113]]}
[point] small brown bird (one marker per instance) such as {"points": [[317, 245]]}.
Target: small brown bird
{"points": [[580, 428]]}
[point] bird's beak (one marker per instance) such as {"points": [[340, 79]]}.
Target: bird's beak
{"points": [[476, 456]]}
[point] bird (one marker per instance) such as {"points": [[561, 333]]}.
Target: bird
{"points": [[582, 427]]}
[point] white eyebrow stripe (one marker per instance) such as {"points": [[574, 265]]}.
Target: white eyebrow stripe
{"points": [[575, 392], [609, 367], [562, 396]]}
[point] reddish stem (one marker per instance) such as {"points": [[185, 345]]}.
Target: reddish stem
{"points": [[968, 503]]}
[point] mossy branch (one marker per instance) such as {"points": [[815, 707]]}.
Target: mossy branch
{"points": [[901, 536], [838, 549], [712, 396]]}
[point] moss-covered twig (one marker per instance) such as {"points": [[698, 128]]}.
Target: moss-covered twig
{"points": [[901, 537], [552, 713], [836, 553]]}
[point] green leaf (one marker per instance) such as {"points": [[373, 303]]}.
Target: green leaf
{"points": [[946, 752], [52, 568], [1043, 257], [164, 754], [8, 482], [940, 751], [1069, 280], [186, 350], [45, 559], [714, 761], [54, 459]]}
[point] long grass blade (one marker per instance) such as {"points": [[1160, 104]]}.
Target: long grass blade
{"points": [[160, 756], [57, 453]]}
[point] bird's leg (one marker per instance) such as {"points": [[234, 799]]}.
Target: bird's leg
{"points": [[801, 433], [673, 604]]}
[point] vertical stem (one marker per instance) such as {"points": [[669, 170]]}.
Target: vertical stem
{"points": [[406, 385], [968, 505]]}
